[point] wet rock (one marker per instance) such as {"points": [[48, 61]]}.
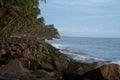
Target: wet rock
{"points": [[81, 67]]}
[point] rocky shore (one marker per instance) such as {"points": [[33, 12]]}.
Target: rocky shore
{"points": [[34, 59]]}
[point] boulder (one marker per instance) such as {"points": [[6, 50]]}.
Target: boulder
{"points": [[32, 64], [111, 71], [57, 65], [105, 72], [42, 74], [13, 68], [81, 67], [46, 66], [71, 76], [75, 70], [94, 75]]}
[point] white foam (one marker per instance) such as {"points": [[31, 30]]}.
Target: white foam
{"points": [[55, 39], [80, 57], [59, 46], [116, 62], [74, 53]]}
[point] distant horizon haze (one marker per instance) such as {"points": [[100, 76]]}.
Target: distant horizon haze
{"points": [[87, 36]]}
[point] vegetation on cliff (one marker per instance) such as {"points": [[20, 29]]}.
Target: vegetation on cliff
{"points": [[19, 18], [22, 32]]}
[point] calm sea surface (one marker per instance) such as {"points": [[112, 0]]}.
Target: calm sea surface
{"points": [[106, 50]]}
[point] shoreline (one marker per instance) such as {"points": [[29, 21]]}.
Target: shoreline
{"points": [[81, 52], [31, 59]]}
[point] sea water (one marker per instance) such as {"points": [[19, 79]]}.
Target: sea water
{"points": [[105, 50]]}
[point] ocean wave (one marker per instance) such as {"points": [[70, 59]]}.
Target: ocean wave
{"points": [[82, 57], [116, 62], [59, 46], [89, 49], [76, 54]]}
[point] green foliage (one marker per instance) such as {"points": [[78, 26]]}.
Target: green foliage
{"points": [[19, 18], [45, 52], [16, 15]]}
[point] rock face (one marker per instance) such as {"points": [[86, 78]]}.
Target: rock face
{"points": [[29, 59], [86, 71], [81, 67], [111, 71], [75, 70], [13, 67], [93, 75], [18, 61], [105, 72], [46, 66]]}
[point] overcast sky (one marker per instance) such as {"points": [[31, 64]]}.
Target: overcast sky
{"points": [[84, 18]]}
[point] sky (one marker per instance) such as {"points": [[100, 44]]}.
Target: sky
{"points": [[83, 18]]}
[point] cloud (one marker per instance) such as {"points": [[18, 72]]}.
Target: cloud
{"points": [[89, 32], [100, 1], [79, 30]]}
